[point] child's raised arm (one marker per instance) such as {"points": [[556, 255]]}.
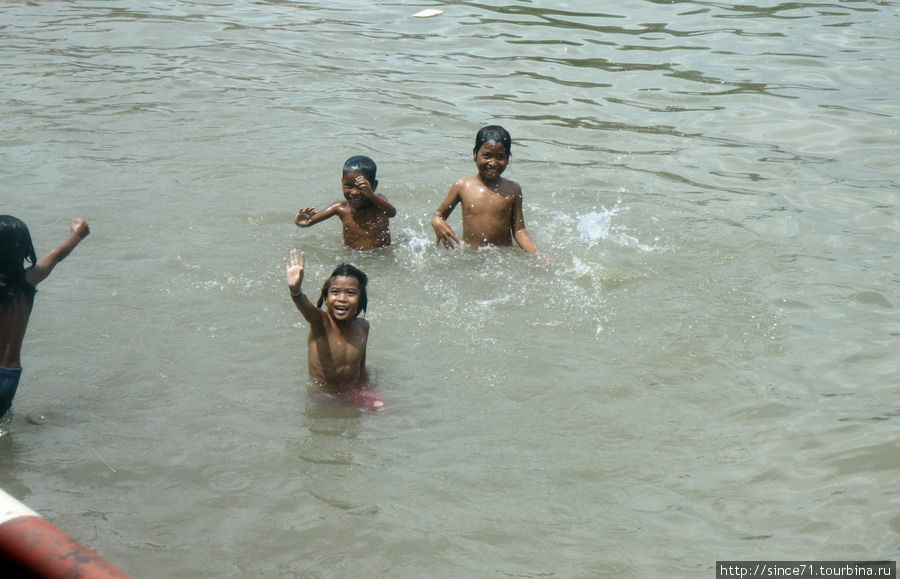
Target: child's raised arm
{"points": [[442, 230], [295, 281], [42, 268], [380, 201]]}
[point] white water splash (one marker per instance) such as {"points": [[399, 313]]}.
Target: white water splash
{"points": [[597, 226]]}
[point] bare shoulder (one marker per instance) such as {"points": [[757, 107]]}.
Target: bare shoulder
{"points": [[467, 185], [467, 182], [510, 186], [340, 208], [360, 328]]}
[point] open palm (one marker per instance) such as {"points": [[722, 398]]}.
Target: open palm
{"points": [[295, 270]]}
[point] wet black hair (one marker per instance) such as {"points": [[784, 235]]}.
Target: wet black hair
{"points": [[361, 164], [493, 133], [345, 269], [15, 249]]}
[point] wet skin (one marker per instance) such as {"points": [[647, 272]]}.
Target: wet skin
{"points": [[491, 205], [364, 214]]}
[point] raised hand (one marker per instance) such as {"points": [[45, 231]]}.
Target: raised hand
{"points": [[304, 215], [80, 227], [294, 268], [364, 186]]}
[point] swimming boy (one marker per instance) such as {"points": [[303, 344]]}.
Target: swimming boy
{"points": [[491, 205], [337, 336], [17, 289], [364, 214]]}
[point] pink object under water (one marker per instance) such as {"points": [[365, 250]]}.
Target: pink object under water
{"points": [[367, 399]]}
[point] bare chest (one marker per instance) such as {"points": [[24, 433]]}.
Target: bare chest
{"points": [[340, 344], [483, 201], [366, 220]]}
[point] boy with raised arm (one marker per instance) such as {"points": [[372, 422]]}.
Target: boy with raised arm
{"points": [[364, 214], [17, 289], [337, 336]]}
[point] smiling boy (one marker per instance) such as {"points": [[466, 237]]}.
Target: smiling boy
{"points": [[491, 204], [364, 214], [336, 344]]}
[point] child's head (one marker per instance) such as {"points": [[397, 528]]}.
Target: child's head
{"points": [[362, 165], [15, 249], [493, 133], [354, 167], [345, 271]]}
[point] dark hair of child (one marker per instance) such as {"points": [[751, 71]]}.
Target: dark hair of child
{"points": [[345, 269], [493, 133], [15, 249], [361, 164]]}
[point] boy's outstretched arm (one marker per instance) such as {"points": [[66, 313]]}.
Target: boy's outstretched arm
{"points": [[442, 230], [295, 267], [42, 268], [309, 216]]}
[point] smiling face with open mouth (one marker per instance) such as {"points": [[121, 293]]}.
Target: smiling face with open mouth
{"points": [[491, 160], [342, 299]]}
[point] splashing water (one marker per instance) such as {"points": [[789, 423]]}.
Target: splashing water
{"points": [[597, 226]]}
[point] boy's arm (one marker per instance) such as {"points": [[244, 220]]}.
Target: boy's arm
{"points": [[312, 314], [42, 268], [309, 216], [363, 370], [442, 230], [520, 234], [381, 202], [523, 238]]}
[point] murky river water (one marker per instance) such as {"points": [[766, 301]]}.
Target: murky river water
{"points": [[707, 369]]}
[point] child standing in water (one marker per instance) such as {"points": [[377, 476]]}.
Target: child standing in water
{"points": [[17, 289], [364, 214], [337, 336], [491, 205]]}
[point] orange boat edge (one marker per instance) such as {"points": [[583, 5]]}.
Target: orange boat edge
{"points": [[33, 546]]}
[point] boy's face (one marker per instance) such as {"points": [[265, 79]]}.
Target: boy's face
{"points": [[342, 299], [354, 185], [491, 160]]}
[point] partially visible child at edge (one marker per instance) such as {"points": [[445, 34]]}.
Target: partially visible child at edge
{"points": [[364, 214], [491, 205], [337, 336], [17, 289]]}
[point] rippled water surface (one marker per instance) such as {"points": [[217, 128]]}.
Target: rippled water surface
{"points": [[705, 370]]}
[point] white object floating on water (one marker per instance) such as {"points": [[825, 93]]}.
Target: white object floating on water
{"points": [[428, 13]]}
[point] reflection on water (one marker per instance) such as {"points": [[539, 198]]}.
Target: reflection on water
{"points": [[706, 365]]}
